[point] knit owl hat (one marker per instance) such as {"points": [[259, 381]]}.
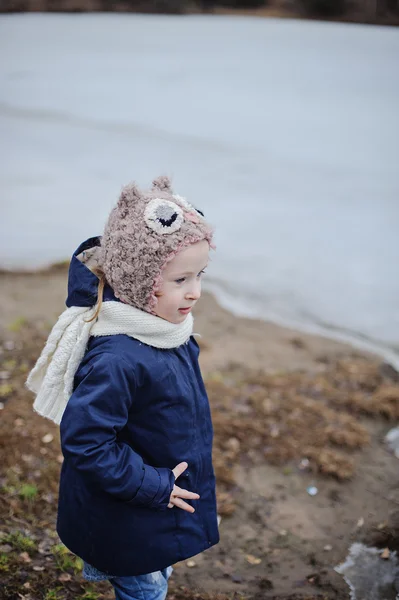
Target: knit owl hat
{"points": [[145, 230]]}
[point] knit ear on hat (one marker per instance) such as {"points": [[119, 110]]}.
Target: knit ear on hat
{"points": [[130, 193], [162, 183]]}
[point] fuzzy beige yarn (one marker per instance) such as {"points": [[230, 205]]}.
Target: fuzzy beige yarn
{"points": [[145, 230]]}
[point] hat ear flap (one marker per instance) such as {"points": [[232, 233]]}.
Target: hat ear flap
{"points": [[162, 184], [130, 193]]}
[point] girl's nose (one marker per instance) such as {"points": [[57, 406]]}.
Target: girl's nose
{"points": [[195, 291]]}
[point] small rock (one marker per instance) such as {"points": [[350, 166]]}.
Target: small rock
{"points": [[24, 556], [65, 577], [60, 459], [304, 464], [43, 451], [236, 578], [392, 440], [327, 547], [26, 585], [385, 554], [45, 546], [19, 422], [233, 444], [312, 490], [6, 548], [28, 458], [360, 522], [37, 568], [191, 564], [46, 439], [274, 431], [1, 405]]}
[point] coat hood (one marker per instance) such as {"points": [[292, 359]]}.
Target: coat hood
{"points": [[82, 282]]}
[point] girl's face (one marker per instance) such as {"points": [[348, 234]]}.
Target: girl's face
{"points": [[181, 286]]}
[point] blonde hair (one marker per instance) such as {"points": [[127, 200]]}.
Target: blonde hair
{"points": [[100, 293]]}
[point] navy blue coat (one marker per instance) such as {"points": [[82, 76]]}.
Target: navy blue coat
{"points": [[135, 413]]}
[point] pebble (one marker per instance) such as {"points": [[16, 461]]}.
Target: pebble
{"points": [[312, 490], [327, 548], [25, 557], [46, 439], [191, 563]]}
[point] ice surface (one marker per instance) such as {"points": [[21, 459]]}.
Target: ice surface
{"points": [[285, 133]]}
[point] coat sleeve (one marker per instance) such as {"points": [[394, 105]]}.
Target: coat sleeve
{"points": [[97, 410]]}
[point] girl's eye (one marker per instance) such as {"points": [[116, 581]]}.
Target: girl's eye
{"points": [[180, 280]]}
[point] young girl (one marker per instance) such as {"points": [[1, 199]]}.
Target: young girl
{"points": [[120, 374]]}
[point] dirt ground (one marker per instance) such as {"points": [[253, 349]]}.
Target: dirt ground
{"points": [[293, 414]]}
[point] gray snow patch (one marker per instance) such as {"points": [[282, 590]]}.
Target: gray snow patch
{"points": [[369, 576], [392, 440]]}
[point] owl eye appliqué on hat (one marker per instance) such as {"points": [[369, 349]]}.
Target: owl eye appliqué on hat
{"points": [[187, 204], [163, 216]]}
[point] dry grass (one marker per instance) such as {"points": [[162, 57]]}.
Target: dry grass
{"points": [[287, 417]]}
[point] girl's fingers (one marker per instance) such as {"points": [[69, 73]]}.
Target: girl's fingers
{"points": [[181, 504], [179, 469], [181, 493]]}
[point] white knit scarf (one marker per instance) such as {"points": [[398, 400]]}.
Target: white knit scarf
{"points": [[51, 379]]}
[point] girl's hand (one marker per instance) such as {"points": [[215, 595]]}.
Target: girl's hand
{"points": [[178, 493]]}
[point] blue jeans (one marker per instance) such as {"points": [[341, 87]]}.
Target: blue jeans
{"points": [[152, 586]]}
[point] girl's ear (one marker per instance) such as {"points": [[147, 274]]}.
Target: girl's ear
{"points": [[162, 183]]}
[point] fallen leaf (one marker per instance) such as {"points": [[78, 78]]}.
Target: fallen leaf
{"points": [[253, 560], [360, 522]]}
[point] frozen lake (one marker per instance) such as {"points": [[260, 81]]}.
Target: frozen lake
{"points": [[286, 133]]}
